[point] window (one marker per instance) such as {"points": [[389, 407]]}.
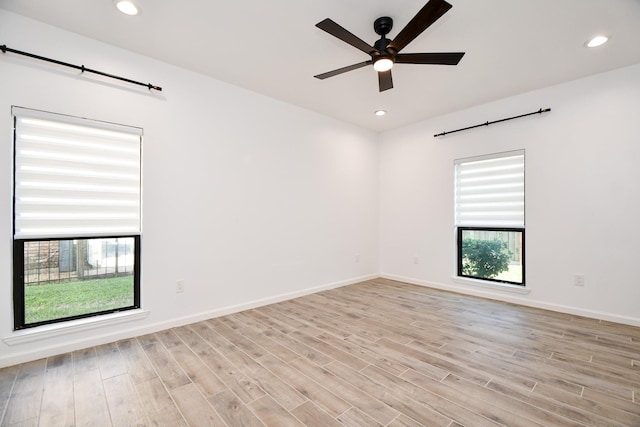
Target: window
{"points": [[77, 221], [489, 217]]}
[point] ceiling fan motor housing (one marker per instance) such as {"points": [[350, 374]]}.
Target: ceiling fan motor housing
{"points": [[381, 46]]}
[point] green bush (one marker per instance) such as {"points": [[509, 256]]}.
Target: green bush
{"points": [[484, 258]]}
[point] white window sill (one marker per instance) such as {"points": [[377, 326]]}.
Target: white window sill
{"points": [[59, 329], [492, 285]]}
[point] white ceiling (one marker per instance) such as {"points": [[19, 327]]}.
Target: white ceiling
{"points": [[273, 47]]}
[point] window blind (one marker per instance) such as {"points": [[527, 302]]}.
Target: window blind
{"points": [[490, 191], [75, 177]]}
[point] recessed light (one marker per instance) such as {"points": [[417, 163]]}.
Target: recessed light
{"points": [[127, 7], [380, 112], [597, 41]]}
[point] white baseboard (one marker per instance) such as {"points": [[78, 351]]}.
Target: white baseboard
{"points": [[181, 321], [134, 331], [510, 297]]}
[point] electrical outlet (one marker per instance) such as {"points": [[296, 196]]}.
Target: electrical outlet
{"points": [[179, 286], [357, 258], [415, 260], [578, 279]]}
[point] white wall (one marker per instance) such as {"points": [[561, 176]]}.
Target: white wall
{"points": [[582, 194], [246, 199]]}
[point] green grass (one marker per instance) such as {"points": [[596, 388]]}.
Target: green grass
{"points": [[65, 299]]}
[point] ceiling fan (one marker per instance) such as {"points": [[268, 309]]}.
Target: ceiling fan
{"points": [[384, 53]]}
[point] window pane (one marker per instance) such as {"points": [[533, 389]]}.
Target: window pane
{"points": [[491, 254], [70, 278]]}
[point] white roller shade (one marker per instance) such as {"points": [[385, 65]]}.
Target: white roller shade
{"points": [[490, 191], [75, 177]]}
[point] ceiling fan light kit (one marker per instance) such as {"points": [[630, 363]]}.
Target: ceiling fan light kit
{"points": [[385, 53], [383, 64]]}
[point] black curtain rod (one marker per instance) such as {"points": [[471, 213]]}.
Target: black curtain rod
{"points": [[82, 68], [540, 111]]}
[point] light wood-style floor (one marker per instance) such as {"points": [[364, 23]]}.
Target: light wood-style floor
{"points": [[375, 353]]}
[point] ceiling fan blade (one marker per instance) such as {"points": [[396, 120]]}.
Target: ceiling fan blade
{"points": [[337, 31], [429, 14], [342, 70], [385, 81], [444, 58]]}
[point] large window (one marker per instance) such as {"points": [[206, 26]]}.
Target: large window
{"points": [[489, 217], [77, 222]]}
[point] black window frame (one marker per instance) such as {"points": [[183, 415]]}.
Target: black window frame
{"points": [[19, 285], [18, 243], [461, 229]]}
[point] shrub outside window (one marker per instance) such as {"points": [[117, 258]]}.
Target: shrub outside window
{"points": [[495, 254]]}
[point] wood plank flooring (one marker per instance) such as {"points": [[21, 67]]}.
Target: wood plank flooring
{"points": [[377, 353]]}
